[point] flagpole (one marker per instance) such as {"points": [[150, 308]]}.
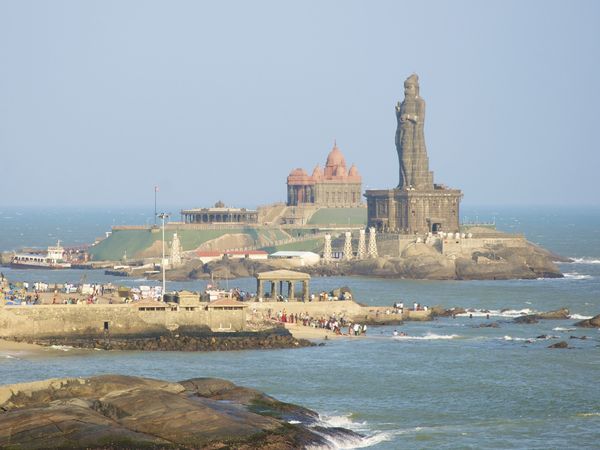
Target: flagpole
{"points": [[155, 190]]}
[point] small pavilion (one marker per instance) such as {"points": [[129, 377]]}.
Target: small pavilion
{"points": [[278, 279]]}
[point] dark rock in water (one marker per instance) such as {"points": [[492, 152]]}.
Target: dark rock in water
{"points": [[185, 340], [558, 314], [123, 412], [594, 322], [440, 311], [526, 319], [542, 336], [488, 325], [583, 338], [561, 344]]}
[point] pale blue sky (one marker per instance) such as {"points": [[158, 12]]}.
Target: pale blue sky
{"points": [[101, 100]]}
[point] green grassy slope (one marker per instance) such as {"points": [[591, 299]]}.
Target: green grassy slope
{"points": [[121, 241], [135, 241]]}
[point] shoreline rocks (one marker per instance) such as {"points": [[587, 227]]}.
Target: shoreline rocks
{"points": [[276, 338], [558, 314], [594, 322], [124, 412], [418, 261]]}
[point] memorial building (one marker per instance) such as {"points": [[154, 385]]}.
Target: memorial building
{"points": [[334, 186], [417, 205]]}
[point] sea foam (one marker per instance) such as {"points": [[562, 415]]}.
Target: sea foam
{"points": [[64, 348], [585, 260], [493, 312], [427, 337], [579, 317], [577, 276], [339, 440]]}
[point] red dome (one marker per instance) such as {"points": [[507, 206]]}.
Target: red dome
{"points": [[299, 177], [298, 173], [353, 172], [335, 158]]}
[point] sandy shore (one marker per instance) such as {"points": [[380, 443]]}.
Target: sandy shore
{"points": [[11, 349], [302, 332]]}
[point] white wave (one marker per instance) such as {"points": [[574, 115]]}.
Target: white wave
{"points": [[510, 338], [342, 422], [505, 313], [427, 337], [579, 317], [64, 348], [589, 414], [576, 276], [530, 340], [335, 442], [563, 328], [585, 260], [341, 441]]}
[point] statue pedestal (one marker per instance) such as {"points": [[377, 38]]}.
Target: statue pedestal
{"points": [[409, 211]]}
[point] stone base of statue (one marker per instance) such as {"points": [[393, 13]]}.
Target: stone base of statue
{"points": [[408, 211]]}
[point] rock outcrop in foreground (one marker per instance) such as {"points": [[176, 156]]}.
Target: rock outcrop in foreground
{"points": [[118, 412]]}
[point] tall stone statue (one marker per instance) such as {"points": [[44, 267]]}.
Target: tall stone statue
{"points": [[410, 139]]}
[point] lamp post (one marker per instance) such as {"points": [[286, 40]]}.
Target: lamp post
{"points": [[163, 216]]}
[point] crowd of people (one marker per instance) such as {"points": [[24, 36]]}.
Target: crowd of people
{"points": [[338, 325], [398, 307]]}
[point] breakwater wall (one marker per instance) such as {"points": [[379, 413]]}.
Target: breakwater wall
{"points": [[39, 321]]}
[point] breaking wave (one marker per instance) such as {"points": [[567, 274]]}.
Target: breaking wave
{"points": [[563, 328], [579, 317], [585, 260], [577, 276], [530, 340], [328, 427], [517, 339], [64, 348], [427, 337], [494, 312]]}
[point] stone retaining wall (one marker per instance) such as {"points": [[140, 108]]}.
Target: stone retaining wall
{"points": [[52, 320]]}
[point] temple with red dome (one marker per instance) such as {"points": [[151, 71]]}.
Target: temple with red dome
{"points": [[334, 186]]}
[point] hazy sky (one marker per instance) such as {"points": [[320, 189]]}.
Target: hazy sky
{"points": [[102, 100]]}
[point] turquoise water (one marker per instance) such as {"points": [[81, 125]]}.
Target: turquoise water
{"points": [[449, 384]]}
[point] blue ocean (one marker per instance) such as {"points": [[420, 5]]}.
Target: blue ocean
{"points": [[449, 384]]}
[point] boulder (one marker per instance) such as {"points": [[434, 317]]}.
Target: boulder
{"points": [[529, 319], [558, 314], [561, 344], [594, 322]]}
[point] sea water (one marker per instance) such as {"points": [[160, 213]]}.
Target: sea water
{"points": [[448, 384]]}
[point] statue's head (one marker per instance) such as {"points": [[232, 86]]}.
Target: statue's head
{"points": [[411, 86]]}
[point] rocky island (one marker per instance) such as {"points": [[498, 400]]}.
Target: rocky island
{"points": [[503, 257], [124, 412]]}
